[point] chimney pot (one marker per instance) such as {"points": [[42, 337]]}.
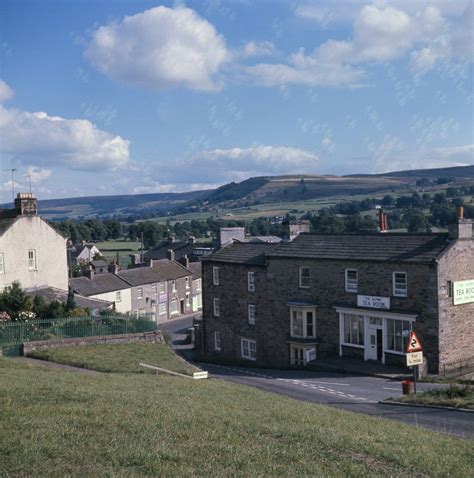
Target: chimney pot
{"points": [[170, 254]]}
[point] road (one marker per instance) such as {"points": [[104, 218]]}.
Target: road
{"points": [[355, 393]]}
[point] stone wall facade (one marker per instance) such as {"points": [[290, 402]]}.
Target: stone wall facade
{"points": [[150, 337], [456, 322]]}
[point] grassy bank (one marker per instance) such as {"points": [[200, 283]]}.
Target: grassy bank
{"points": [[458, 396], [122, 358], [56, 423]]}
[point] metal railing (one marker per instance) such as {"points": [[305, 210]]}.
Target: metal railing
{"points": [[457, 369], [14, 334]]}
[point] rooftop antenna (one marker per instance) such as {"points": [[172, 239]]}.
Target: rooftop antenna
{"points": [[29, 179], [12, 170]]}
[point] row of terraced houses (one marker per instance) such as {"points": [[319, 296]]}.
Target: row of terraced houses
{"points": [[34, 254]]}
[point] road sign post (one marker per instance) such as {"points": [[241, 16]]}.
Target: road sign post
{"points": [[414, 356]]}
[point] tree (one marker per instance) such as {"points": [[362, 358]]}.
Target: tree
{"points": [[416, 221], [14, 300], [71, 303], [388, 200]]}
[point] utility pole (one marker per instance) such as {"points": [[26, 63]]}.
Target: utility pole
{"points": [[12, 170], [29, 180]]}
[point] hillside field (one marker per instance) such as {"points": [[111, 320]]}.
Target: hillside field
{"points": [[58, 423]]}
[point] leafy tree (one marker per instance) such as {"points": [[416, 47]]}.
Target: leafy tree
{"points": [[388, 200], [14, 300], [416, 221]]}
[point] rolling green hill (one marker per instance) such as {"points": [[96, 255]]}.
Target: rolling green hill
{"points": [[253, 191]]}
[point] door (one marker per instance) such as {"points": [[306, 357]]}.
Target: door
{"points": [[372, 345], [182, 306], [297, 355], [379, 345]]}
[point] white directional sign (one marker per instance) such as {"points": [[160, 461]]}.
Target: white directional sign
{"points": [[414, 358]]}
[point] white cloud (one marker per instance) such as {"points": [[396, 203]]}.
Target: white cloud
{"points": [[237, 164], [5, 92], [160, 47], [37, 175], [55, 141], [321, 68], [442, 157], [252, 49], [382, 31]]}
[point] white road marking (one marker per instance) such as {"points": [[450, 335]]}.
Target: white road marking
{"points": [[329, 383], [388, 388]]}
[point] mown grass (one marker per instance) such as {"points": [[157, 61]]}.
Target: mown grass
{"points": [[56, 423], [458, 396], [117, 358]]}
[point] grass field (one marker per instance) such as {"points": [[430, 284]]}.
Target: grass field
{"points": [[109, 250], [57, 423], [117, 358], [458, 396]]}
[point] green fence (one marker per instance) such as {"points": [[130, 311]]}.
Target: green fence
{"points": [[12, 335]]}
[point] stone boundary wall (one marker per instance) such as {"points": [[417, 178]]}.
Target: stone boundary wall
{"points": [[150, 337]]}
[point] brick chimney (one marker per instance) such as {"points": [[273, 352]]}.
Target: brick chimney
{"points": [[184, 260], [295, 228], [228, 234], [383, 221], [462, 228], [170, 254], [26, 204]]}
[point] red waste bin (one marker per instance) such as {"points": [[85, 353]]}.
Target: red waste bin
{"points": [[407, 387]]}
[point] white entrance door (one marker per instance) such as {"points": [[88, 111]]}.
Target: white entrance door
{"points": [[371, 347]]}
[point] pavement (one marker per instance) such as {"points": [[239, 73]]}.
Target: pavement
{"points": [[352, 392]]}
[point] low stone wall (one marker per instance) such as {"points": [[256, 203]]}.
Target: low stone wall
{"points": [[151, 337]]}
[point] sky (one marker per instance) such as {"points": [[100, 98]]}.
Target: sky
{"points": [[103, 97]]}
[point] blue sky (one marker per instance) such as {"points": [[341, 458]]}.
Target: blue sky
{"points": [[116, 97]]}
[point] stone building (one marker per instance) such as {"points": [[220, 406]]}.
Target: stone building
{"points": [[31, 251], [355, 296]]}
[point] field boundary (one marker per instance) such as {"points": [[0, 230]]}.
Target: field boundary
{"points": [[153, 337]]}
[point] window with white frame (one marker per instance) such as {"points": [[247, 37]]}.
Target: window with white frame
{"points": [[32, 260], [398, 332], [198, 284], [215, 275], [187, 283], [162, 288], [173, 285], [251, 313], [118, 296], [305, 277], [2, 264], [217, 341], [174, 307], [251, 281], [353, 329], [351, 280], [188, 299], [140, 293], [162, 308], [400, 284], [199, 301], [154, 288], [217, 308], [302, 322], [248, 349]]}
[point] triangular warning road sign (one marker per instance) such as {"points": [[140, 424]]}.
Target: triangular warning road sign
{"points": [[414, 344]]}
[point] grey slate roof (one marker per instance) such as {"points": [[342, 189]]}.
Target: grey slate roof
{"points": [[51, 293], [196, 269], [99, 263], [180, 249], [170, 270], [140, 276], [99, 284], [249, 253], [370, 246]]}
